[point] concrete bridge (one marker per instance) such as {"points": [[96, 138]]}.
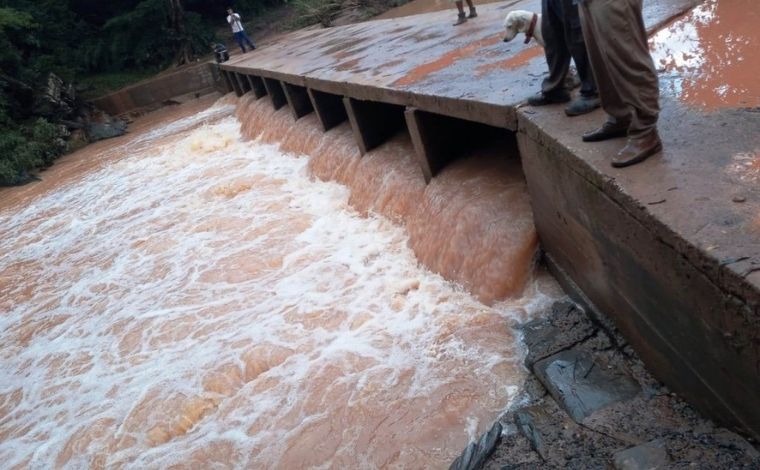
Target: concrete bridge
{"points": [[668, 249]]}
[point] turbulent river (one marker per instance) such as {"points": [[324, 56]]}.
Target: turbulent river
{"points": [[201, 294]]}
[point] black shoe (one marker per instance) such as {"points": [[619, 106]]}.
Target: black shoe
{"points": [[609, 130], [473, 13], [542, 99], [583, 105], [460, 19]]}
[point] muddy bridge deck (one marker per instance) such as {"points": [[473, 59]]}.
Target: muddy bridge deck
{"points": [[669, 249]]}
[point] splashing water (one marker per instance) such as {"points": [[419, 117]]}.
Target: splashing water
{"points": [[201, 302], [472, 224]]}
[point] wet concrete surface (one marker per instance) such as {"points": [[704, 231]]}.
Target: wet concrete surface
{"points": [[420, 61], [465, 71], [702, 189]]}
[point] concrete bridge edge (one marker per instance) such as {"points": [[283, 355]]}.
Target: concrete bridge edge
{"points": [[686, 327]]}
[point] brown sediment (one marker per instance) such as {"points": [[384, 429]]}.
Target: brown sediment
{"points": [[446, 60], [714, 52], [517, 60]]}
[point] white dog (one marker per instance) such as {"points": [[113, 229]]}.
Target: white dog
{"points": [[521, 21]]}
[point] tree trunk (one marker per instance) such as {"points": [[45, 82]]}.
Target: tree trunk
{"points": [[177, 24]]}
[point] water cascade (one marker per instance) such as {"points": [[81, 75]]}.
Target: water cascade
{"points": [[200, 294]]}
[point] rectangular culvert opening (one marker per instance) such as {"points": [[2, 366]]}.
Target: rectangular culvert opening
{"points": [[439, 139], [373, 122], [275, 92], [298, 99], [329, 108]]}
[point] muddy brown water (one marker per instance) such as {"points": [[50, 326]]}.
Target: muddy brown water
{"points": [[201, 294], [712, 55]]}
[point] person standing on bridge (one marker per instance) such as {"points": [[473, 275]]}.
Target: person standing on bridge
{"points": [[616, 39], [563, 38], [238, 31], [460, 7]]}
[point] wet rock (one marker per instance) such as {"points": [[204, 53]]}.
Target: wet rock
{"points": [[57, 100], [580, 387], [649, 456], [533, 390], [544, 437], [515, 454], [558, 441], [102, 126], [717, 449], [545, 427], [476, 454], [564, 328], [530, 421], [77, 139]]}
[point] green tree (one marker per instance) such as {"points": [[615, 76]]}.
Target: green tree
{"points": [[25, 141]]}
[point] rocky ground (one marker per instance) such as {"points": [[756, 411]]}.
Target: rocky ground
{"points": [[591, 404]]}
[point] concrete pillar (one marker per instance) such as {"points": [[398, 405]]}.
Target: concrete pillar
{"points": [[257, 85], [274, 90], [232, 78], [244, 85], [298, 100], [372, 122], [329, 108], [437, 139], [434, 141]]}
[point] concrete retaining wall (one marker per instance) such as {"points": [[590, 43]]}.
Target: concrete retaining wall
{"points": [[190, 82], [692, 333]]}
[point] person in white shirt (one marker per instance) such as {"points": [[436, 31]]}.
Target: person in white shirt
{"points": [[238, 31]]}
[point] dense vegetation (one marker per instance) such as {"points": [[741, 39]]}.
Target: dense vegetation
{"points": [[76, 39], [100, 45]]}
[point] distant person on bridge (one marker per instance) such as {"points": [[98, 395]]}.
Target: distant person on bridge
{"points": [[563, 38], [238, 31], [616, 39], [462, 17]]}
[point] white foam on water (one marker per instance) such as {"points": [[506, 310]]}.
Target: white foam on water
{"points": [[206, 304]]}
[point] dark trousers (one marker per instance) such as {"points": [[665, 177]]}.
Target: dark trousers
{"points": [[619, 53], [242, 38], [561, 27]]}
